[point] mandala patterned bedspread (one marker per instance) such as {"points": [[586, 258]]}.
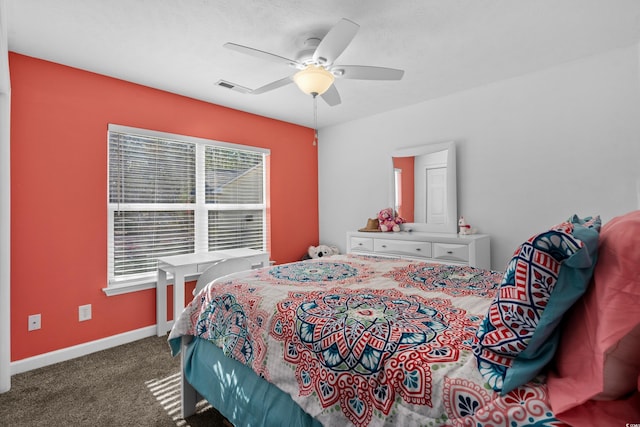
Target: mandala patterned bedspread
{"points": [[365, 340]]}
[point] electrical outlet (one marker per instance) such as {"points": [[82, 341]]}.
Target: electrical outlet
{"points": [[84, 312], [34, 322]]}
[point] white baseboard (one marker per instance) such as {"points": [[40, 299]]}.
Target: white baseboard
{"points": [[69, 353]]}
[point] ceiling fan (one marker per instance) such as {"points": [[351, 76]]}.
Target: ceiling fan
{"points": [[317, 67]]}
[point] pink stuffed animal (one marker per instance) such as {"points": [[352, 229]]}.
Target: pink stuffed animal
{"points": [[389, 220]]}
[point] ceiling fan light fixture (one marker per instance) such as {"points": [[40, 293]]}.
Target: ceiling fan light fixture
{"points": [[313, 80]]}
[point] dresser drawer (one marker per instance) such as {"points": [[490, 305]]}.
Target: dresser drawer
{"points": [[473, 250], [451, 252], [403, 247], [361, 244]]}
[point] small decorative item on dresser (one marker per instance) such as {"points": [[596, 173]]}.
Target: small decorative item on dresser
{"points": [[372, 225], [389, 220], [465, 229]]}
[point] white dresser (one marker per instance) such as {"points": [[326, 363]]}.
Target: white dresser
{"points": [[473, 250]]}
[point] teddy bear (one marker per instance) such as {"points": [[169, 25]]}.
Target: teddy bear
{"points": [[321, 251], [389, 220]]}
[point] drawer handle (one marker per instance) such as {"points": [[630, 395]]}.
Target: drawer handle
{"points": [[449, 252], [384, 246], [359, 244], [418, 249]]}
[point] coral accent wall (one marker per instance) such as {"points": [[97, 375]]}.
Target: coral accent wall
{"points": [[59, 119], [407, 165]]}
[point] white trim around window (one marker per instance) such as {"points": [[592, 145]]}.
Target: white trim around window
{"points": [[171, 194]]}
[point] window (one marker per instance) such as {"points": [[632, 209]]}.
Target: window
{"points": [[172, 194]]}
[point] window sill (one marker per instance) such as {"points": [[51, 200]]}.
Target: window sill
{"points": [[129, 286]]}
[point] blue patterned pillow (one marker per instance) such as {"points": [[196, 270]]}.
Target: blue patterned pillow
{"points": [[546, 275]]}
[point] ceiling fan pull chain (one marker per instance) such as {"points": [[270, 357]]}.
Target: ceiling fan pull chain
{"points": [[315, 119]]}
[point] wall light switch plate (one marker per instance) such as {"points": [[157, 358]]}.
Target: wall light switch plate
{"points": [[84, 312]]}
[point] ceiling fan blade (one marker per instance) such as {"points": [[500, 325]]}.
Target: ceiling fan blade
{"points": [[335, 42], [331, 96], [364, 72], [260, 54], [273, 85]]}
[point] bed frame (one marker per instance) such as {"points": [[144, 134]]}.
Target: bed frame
{"points": [[189, 396]]}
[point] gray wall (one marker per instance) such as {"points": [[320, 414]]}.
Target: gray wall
{"points": [[531, 151]]}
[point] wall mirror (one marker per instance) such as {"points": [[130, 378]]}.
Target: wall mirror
{"points": [[424, 189]]}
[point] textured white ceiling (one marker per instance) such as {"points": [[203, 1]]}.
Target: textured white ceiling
{"points": [[444, 46]]}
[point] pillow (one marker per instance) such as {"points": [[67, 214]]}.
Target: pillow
{"points": [[599, 356], [621, 367], [547, 274]]}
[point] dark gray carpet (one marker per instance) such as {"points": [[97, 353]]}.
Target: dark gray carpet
{"points": [[135, 384]]}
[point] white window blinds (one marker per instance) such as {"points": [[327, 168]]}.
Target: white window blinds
{"points": [[234, 180], [172, 194]]}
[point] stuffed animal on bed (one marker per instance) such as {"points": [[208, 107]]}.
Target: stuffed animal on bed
{"points": [[389, 220], [321, 251]]}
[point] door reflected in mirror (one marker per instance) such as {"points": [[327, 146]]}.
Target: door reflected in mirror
{"points": [[424, 186]]}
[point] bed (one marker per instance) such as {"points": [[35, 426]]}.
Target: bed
{"points": [[371, 341]]}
